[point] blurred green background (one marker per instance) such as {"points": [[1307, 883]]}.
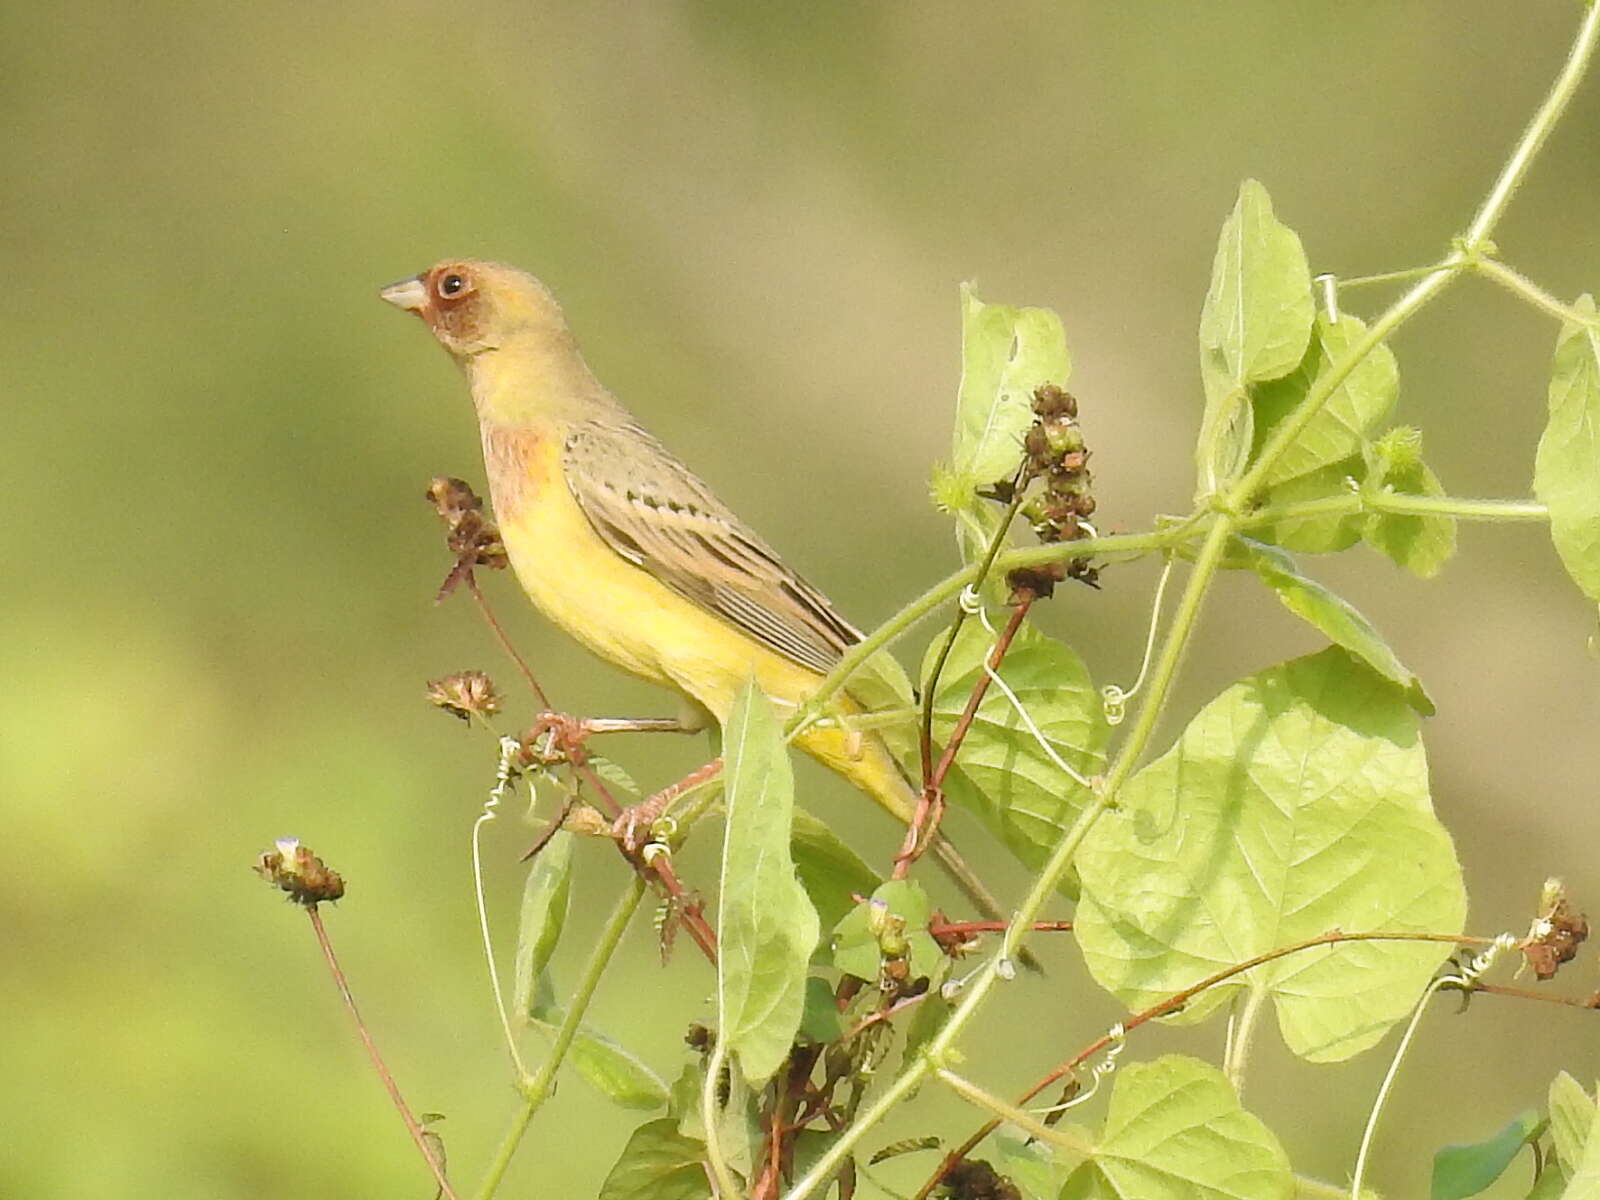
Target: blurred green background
{"points": [[218, 613]]}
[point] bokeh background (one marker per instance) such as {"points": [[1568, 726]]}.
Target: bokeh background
{"points": [[217, 614]]}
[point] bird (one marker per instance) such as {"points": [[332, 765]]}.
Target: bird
{"points": [[624, 548]]}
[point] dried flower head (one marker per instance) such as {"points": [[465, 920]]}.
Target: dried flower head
{"points": [[294, 869], [471, 536], [974, 1179], [466, 694], [1556, 934], [1059, 510]]}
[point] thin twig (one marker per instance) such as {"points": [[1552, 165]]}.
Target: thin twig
{"points": [[1590, 1002], [940, 929], [413, 1127], [1171, 1004], [930, 805], [537, 1090], [931, 684], [505, 642]]}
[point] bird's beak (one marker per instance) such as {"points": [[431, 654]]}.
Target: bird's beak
{"points": [[409, 294]]}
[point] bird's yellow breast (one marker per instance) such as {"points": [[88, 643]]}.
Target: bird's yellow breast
{"points": [[618, 610]]}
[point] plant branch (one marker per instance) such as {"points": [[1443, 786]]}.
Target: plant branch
{"points": [[1242, 1036], [1520, 285], [1131, 545], [930, 686], [1025, 1121], [1469, 249], [413, 1127], [1533, 137], [1398, 504], [1177, 1001], [1044, 885], [537, 1090], [925, 823], [503, 639]]}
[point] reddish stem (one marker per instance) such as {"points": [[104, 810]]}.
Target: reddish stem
{"points": [[1173, 1002], [411, 1123], [930, 805], [500, 635], [943, 929]]}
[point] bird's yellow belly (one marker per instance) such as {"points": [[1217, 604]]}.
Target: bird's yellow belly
{"points": [[617, 610], [628, 617]]}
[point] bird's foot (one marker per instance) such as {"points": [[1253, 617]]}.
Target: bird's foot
{"points": [[636, 826]]}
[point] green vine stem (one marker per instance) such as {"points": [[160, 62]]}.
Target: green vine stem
{"points": [[1400, 504], [1519, 284], [1471, 247], [1231, 511], [536, 1091]]}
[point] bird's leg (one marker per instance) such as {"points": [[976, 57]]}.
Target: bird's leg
{"points": [[590, 725], [572, 731], [632, 828]]}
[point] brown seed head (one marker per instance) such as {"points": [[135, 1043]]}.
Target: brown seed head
{"points": [[1557, 932], [295, 870], [466, 694]]}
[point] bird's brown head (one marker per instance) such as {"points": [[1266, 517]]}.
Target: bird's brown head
{"points": [[473, 306]]}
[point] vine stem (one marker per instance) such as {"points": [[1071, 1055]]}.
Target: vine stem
{"points": [[537, 1090], [1519, 284], [1242, 1034], [1130, 544], [1229, 510], [1371, 1129], [1044, 885], [1468, 250], [727, 1188], [1538, 130], [1024, 1121], [413, 1127], [925, 823], [997, 542], [1399, 504], [1177, 1001]]}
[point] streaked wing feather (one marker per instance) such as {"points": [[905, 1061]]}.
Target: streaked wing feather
{"points": [[654, 512]]}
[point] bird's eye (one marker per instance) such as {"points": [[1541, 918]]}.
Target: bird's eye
{"points": [[452, 285]]}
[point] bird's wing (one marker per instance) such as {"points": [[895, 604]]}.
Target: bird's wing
{"points": [[655, 513]]}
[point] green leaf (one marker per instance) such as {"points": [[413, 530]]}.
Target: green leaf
{"points": [[1566, 469], [809, 1147], [738, 1129], [928, 1017], [1255, 326], [615, 1072], [1006, 353], [899, 911], [1552, 1182], [1002, 773], [1462, 1171], [546, 897], [658, 1163], [1585, 1182], [1038, 1169], [1422, 545], [1335, 617], [831, 873], [1316, 535], [612, 773], [1345, 421], [1174, 1130], [1571, 1114], [819, 1020], [767, 926], [1294, 803]]}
